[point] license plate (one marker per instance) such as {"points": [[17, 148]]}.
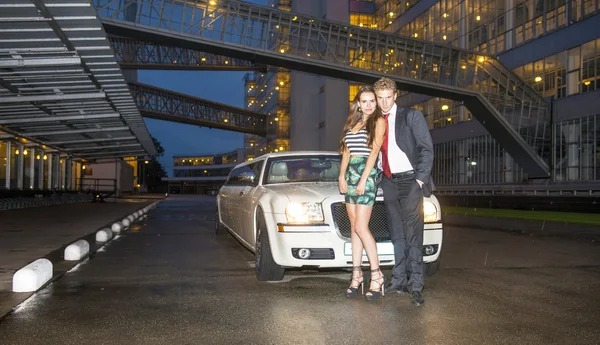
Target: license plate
{"points": [[383, 248]]}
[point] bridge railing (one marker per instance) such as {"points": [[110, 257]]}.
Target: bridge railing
{"points": [[416, 65]]}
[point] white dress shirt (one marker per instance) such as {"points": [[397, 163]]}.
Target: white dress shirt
{"points": [[397, 159]]}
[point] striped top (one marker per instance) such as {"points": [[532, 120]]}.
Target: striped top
{"points": [[357, 143]]}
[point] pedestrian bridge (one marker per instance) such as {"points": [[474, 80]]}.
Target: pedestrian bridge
{"points": [[511, 111]]}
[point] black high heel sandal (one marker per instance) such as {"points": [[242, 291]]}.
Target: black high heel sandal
{"points": [[353, 291], [376, 294]]}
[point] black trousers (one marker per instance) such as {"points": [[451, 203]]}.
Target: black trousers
{"points": [[403, 200]]}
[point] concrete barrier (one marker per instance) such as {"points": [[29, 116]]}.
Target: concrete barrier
{"points": [[126, 222], [116, 227], [104, 235], [32, 276], [75, 251]]}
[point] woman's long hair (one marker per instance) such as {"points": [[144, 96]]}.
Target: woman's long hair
{"points": [[355, 116]]}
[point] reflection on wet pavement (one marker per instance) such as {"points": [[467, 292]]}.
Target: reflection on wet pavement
{"points": [[173, 281]]}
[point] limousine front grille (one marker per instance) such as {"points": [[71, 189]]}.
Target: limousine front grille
{"points": [[378, 223]]}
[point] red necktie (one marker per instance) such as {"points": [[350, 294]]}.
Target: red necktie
{"points": [[384, 148]]}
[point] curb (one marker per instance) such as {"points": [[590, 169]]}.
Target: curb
{"points": [[589, 233], [59, 266]]}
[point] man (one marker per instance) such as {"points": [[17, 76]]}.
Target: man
{"points": [[406, 159]]}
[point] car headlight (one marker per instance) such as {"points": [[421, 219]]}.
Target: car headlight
{"points": [[302, 213], [429, 212]]}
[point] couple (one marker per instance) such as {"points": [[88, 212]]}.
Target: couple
{"points": [[375, 123]]}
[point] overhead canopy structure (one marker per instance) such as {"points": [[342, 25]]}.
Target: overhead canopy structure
{"points": [[513, 113], [60, 84]]}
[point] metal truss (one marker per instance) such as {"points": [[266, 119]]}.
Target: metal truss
{"points": [[142, 54], [167, 105], [510, 110]]}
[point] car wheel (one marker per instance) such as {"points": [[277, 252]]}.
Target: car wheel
{"points": [[266, 268], [431, 268], [218, 226]]}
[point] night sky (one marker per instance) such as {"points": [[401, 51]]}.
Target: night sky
{"points": [[182, 139]]}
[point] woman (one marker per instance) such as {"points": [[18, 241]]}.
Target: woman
{"points": [[360, 143]]}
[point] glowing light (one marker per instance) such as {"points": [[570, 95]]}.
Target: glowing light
{"points": [[478, 18], [445, 15], [416, 34], [538, 79], [481, 59], [391, 14], [444, 37], [445, 107]]}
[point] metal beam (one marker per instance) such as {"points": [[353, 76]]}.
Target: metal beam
{"points": [[94, 148], [93, 140], [53, 97], [58, 118], [19, 63], [113, 154], [75, 131]]}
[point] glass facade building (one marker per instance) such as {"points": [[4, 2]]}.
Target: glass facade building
{"points": [[202, 174], [523, 35]]}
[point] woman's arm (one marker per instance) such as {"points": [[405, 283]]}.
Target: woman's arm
{"points": [[342, 184], [372, 159]]}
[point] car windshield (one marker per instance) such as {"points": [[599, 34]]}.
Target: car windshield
{"points": [[303, 169]]}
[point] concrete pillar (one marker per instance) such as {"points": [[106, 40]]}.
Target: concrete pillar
{"points": [[572, 133], [573, 64], [31, 169], [8, 164], [20, 166], [462, 162], [68, 172], [304, 111], [509, 167], [509, 21], [463, 24], [318, 105], [50, 167]]}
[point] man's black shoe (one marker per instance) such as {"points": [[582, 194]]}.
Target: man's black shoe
{"points": [[416, 298], [396, 288]]}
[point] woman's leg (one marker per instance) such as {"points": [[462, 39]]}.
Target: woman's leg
{"points": [[357, 246], [362, 217]]}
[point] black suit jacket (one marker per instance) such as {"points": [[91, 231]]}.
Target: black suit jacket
{"points": [[414, 139]]}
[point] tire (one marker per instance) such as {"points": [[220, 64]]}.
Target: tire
{"points": [[266, 268], [218, 226], [432, 268]]}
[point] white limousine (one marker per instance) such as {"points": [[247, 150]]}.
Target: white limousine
{"points": [[287, 209]]}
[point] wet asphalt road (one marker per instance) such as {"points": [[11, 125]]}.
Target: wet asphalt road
{"points": [[170, 280]]}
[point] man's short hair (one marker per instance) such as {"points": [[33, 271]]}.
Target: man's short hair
{"points": [[384, 84]]}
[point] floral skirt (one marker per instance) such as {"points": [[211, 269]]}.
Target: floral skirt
{"points": [[356, 166]]}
